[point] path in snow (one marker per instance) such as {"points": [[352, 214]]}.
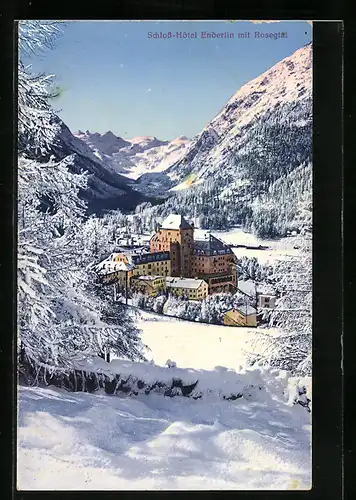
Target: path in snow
{"points": [[72, 441]]}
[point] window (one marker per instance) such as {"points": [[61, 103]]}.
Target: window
{"points": [[149, 266]]}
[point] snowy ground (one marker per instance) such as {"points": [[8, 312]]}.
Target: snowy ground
{"points": [[278, 249], [195, 345], [70, 441], [96, 442]]}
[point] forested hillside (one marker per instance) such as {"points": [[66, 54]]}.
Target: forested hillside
{"points": [[257, 150]]}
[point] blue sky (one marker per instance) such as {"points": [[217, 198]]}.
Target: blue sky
{"points": [[113, 77]]}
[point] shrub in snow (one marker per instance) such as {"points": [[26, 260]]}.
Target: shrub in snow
{"points": [[159, 303], [301, 397], [171, 364]]}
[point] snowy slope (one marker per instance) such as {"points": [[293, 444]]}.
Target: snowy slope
{"points": [[100, 442], [137, 156], [95, 442]]}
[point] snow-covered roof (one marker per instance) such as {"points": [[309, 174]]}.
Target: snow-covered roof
{"points": [[265, 289], [250, 288], [247, 287], [246, 310], [210, 245], [146, 278], [183, 282], [175, 221], [108, 266]]}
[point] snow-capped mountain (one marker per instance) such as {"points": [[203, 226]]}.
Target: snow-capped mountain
{"points": [[137, 156], [102, 143], [280, 97], [261, 135], [107, 188]]}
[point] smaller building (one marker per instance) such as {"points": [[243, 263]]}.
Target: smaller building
{"points": [[244, 315], [263, 295], [109, 271], [193, 289], [146, 264], [266, 301], [149, 285]]}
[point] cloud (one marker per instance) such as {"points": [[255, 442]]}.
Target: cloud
{"points": [[122, 65], [149, 90]]}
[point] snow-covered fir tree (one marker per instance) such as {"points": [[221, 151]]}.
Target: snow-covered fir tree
{"points": [[60, 310], [292, 280]]}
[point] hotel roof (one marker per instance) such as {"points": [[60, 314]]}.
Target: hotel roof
{"points": [[211, 246], [175, 221]]}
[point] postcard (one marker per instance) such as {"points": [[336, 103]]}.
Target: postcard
{"points": [[164, 255]]}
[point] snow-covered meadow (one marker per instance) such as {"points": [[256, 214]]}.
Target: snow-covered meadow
{"points": [[278, 249], [196, 345], [94, 441]]}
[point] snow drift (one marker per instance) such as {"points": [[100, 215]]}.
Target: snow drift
{"points": [[135, 378], [76, 441]]}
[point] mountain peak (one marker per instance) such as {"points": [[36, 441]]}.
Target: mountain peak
{"points": [[142, 138], [110, 134], [181, 138]]}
